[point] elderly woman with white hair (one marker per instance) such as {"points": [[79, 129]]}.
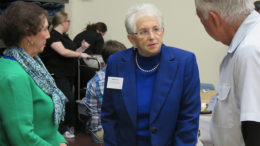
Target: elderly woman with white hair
{"points": [[236, 116], [152, 91]]}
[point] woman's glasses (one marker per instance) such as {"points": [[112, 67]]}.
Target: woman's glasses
{"points": [[146, 32]]}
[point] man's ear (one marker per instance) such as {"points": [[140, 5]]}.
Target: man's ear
{"points": [[216, 20], [131, 39]]}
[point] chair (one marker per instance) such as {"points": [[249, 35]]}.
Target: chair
{"points": [[87, 68], [93, 62]]}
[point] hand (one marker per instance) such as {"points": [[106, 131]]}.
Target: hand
{"points": [[63, 144], [84, 45], [84, 55]]}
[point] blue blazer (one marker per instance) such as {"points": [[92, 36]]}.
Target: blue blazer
{"points": [[175, 106]]}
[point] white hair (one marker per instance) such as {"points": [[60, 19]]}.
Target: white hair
{"points": [[231, 11], [137, 11]]}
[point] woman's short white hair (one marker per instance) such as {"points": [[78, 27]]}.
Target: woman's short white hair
{"points": [[137, 11], [231, 11]]}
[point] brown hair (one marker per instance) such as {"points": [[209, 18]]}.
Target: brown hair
{"points": [[19, 20], [110, 47], [102, 27]]}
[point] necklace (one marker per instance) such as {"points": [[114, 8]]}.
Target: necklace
{"points": [[139, 67]]}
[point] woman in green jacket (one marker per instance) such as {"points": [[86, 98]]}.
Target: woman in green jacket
{"points": [[31, 106]]}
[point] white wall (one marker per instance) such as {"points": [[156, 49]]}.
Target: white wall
{"points": [[182, 28]]}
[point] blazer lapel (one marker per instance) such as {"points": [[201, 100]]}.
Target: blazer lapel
{"points": [[163, 83], [127, 71]]}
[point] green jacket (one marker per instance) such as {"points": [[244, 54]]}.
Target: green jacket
{"points": [[26, 112]]}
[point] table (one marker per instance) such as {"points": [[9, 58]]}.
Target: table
{"points": [[204, 138]]}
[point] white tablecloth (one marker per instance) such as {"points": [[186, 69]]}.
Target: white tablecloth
{"points": [[204, 138]]}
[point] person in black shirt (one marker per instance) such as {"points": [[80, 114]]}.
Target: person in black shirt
{"points": [[60, 58], [94, 36]]}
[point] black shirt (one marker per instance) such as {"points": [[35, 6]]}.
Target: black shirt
{"points": [[57, 64], [251, 132], [95, 40]]}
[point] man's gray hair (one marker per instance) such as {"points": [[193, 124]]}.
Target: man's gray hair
{"points": [[137, 11], [231, 11]]}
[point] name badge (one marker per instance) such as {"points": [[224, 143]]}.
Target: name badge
{"points": [[115, 83]]}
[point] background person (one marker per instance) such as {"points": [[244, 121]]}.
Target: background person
{"points": [[60, 57], [31, 106], [236, 116], [95, 90], [93, 34], [152, 91]]}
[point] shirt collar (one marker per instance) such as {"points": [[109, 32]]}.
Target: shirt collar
{"points": [[244, 29]]}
